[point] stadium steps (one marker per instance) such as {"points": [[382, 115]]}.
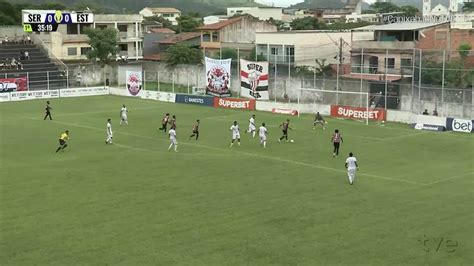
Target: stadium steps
{"points": [[38, 67]]}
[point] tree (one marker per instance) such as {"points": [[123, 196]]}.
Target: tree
{"points": [[90, 5], [252, 55], [187, 24], [183, 54], [306, 23], [409, 11], [468, 7], [51, 6], [229, 53], [464, 50], [383, 7], [160, 20], [104, 45]]}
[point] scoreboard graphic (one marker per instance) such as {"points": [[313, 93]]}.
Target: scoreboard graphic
{"points": [[49, 20]]}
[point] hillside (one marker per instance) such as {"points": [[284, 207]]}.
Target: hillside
{"points": [[204, 7], [340, 3]]}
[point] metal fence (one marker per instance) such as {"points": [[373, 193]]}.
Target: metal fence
{"points": [[409, 80]]}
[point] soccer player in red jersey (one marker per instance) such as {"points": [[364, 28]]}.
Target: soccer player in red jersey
{"points": [[284, 128], [336, 140], [164, 122], [173, 122], [195, 130]]}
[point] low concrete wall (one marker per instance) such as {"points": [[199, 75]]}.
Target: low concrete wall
{"points": [[302, 108]]}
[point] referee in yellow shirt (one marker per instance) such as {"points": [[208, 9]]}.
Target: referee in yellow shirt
{"points": [[62, 140]]}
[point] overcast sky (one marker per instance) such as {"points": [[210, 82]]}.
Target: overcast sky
{"points": [[286, 3]]}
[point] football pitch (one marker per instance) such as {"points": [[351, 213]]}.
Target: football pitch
{"points": [[135, 203]]}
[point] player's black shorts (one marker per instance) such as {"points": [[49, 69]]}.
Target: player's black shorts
{"points": [[62, 142], [285, 132], [164, 125], [195, 131], [336, 145]]}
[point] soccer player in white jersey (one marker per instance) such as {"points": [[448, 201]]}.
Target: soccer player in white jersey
{"points": [[173, 140], [124, 115], [352, 166], [262, 133], [109, 132], [235, 133], [252, 127]]}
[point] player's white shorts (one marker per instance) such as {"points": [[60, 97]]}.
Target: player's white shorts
{"points": [[235, 136], [351, 172], [124, 118], [109, 135], [251, 128], [174, 141], [263, 137]]}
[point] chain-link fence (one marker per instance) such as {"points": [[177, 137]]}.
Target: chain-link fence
{"points": [[408, 80]]}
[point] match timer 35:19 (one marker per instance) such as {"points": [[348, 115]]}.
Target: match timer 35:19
{"points": [[48, 20]]}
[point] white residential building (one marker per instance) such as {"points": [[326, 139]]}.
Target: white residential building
{"points": [[262, 13], [169, 13], [70, 42], [303, 48]]}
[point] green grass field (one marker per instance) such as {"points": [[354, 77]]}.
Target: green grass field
{"points": [[135, 203]]}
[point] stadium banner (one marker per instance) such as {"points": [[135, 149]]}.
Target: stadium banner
{"points": [[13, 84], [149, 95], [31, 95], [459, 125], [166, 97], [133, 81], [218, 77], [76, 92], [254, 79], [358, 112], [419, 126], [234, 103], [5, 97], [194, 99], [285, 111]]}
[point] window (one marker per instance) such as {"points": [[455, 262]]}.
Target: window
{"points": [[122, 28], [406, 62], [85, 50], [290, 51], [72, 29], [390, 62], [166, 15], [215, 36], [274, 51], [83, 27], [206, 37], [72, 51], [123, 47]]}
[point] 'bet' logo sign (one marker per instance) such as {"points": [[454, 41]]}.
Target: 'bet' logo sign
{"points": [[462, 125]]}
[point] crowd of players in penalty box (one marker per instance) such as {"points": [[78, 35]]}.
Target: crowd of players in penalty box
{"points": [[336, 139]]}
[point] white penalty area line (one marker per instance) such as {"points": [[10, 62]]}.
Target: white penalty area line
{"points": [[248, 154], [451, 178], [103, 112]]}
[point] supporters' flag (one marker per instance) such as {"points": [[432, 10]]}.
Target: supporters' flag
{"points": [[254, 79], [218, 77], [13, 84], [134, 82]]}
